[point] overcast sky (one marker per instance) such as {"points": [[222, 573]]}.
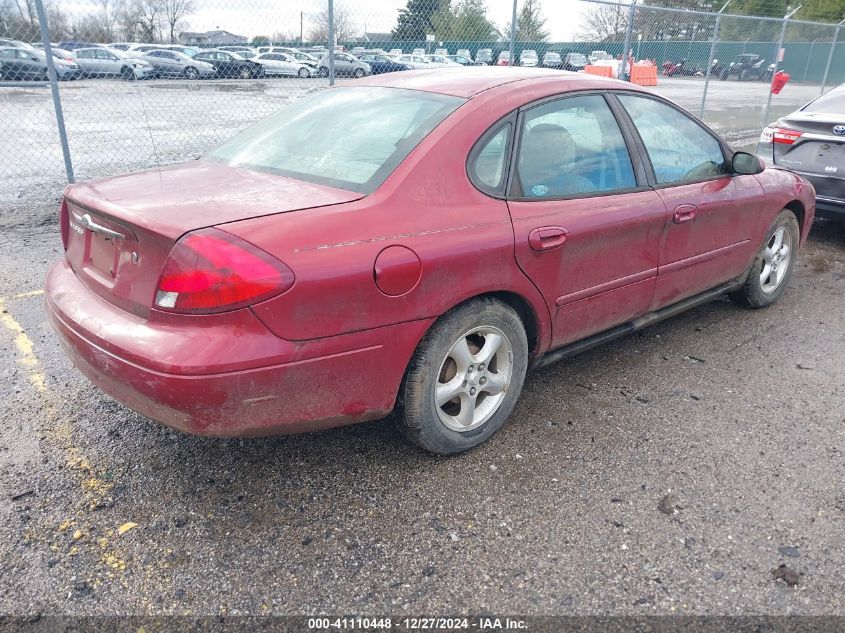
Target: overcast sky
{"points": [[265, 17]]}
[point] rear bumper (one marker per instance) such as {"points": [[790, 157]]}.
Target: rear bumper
{"points": [[830, 195], [164, 368]]}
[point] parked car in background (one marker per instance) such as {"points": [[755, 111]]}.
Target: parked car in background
{"points": [[528, 57], [415, 61], [345, 65], [394, 51], [5, 42], [304, 58], [441, 51], [174, 64], [103, 62], [283, 64], [72, 45], [229, 64], [460, 59], [120, 46], [412, 246], [504, 59], [382, 63], [574, 61], [484, 56], [31, 63], [190, 51], [596, 56], [441, 60], [238, 49], [17, 64], [811, 142], [418, 51], [747, 67], [464, 52], [552, 59]]}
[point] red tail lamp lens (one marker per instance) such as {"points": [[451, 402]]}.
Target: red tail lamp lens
{"points": [[211, 271], [64, 223], [785, 137]]}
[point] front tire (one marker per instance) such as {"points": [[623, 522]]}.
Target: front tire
{"points": [[359, 72], [773, 265], [464, 378], [304, 73], [324, 71], [724, 74], [127, 74], [191, 73]]}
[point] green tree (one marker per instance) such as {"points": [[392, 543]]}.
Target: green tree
{"points": [[258, 40], [530, 23], [469, 22], [417, 19]]}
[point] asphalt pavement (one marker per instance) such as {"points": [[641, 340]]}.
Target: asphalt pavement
{"points": [[672, 472]]}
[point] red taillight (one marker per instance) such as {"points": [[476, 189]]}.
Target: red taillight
{"points": [[784, 136], [211, 271], [64, 222]]}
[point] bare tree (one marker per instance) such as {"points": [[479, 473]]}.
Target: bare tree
{"points": [[129, 21], [604, 23], [344, 27], [175, 12], [149, 19]]}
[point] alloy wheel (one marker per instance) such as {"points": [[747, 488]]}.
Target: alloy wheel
{"points": [[776, 256], [473, 378]]}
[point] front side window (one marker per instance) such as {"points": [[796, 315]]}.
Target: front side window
{"points": [[351, 138], [572, 146], [680, 150]]}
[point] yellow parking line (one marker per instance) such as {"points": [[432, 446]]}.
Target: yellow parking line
{"points": [[23, 343], [24, 295], [95, 489]]}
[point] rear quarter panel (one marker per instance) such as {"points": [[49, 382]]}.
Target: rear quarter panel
{"points": [[463, 238]]}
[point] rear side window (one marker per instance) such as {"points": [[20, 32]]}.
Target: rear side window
{"points": [[680, 150], [572, 146], [487, 161], [831, 101]]}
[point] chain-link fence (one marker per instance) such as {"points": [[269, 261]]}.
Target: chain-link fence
{"points": [[129, 84]]}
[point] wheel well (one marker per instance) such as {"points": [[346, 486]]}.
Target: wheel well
{"points": [[525, 312], [798, 209]]}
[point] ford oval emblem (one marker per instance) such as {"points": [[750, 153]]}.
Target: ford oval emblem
{"points": [[839, 129]]}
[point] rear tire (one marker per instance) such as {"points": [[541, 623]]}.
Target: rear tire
{"points": [[478, 354], [324, 72], [304, 73], [127, 73], [724, 75], [359, 72], [245, 73], [744, 75], [773, 265]]}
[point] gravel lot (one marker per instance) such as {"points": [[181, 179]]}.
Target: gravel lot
{"points": [[669, 472]]}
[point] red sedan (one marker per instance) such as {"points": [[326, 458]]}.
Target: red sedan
{"points": [[413, 243]]}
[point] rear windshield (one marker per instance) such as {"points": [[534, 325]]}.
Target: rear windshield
{"points": [[832, 102], [351, 138]]}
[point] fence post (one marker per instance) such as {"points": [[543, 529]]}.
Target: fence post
{"points": [[710, 59], [830, 55], [331, 42], [777, 62], [54, 88], [809, 59], [628, 30], [513, 35]]}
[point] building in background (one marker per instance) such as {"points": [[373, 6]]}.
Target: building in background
{"points": [[210, 38]]}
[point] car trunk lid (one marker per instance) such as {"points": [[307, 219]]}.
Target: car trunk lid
{"points": [[121, 229], [818, 150]]}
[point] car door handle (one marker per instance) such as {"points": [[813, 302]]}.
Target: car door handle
{"points": [[547, 237], [684, 213]]}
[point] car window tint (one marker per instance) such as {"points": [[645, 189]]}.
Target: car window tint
{"points": [[832, 101], [572, 146], [488, 165], [7, 53], [679, 148]]}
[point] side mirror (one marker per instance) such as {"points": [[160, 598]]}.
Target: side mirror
{"points": [[746, 164]]}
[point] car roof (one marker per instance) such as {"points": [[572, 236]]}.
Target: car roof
{"points": [[467, 81]]}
